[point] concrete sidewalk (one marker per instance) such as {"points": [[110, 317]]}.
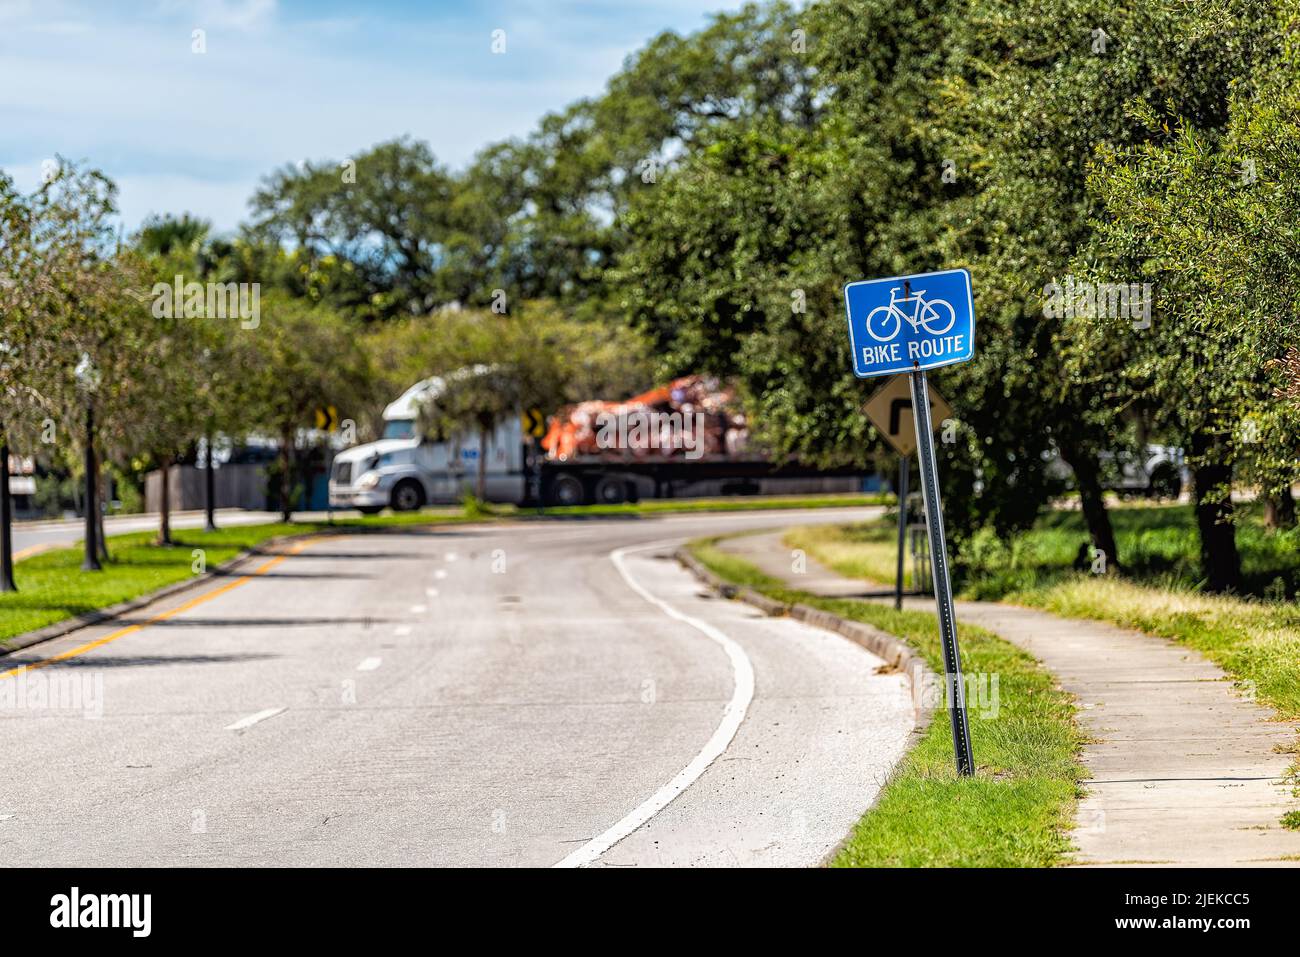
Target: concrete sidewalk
{"points": [[1184, 769]]}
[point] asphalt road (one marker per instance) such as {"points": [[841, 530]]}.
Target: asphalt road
{"points": [[538, 693]]}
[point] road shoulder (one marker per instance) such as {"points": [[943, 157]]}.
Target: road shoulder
{"points": [[827, 722]]}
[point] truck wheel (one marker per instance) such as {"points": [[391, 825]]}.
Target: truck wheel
{"points": [[611, 490], [568, 490], [408, 495], [1165, 482]]}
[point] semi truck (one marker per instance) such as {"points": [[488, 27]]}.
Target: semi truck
{"points": [[687, 437]]}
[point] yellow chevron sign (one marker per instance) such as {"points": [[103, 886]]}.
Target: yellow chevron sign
{"points": [[534, 423]]}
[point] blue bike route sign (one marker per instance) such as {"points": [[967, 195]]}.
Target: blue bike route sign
{"points": [[910, 323]]}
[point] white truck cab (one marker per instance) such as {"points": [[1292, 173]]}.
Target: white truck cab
{"points": [[405, 472]]}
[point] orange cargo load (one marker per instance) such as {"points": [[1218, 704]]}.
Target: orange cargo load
{"points": [[692, 417]]}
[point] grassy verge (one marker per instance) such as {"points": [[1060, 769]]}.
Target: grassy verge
{"points": [[1017, 810], [1158, 545], [1253, 639], [53, 588], [868, 550]]}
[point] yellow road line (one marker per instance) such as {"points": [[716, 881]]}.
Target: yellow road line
{"points": [[163, 616], [32, 550]]}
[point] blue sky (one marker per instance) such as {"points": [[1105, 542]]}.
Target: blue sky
{"points": [[116, 83]]}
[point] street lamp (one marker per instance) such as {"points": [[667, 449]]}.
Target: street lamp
{"points": [[210, 477], [88, 378]]}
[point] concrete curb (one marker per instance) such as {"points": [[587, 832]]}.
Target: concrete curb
{"points": [[895, 652], [60, 628]]}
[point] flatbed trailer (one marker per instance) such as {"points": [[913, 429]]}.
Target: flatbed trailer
{"points": [[612, 481]]}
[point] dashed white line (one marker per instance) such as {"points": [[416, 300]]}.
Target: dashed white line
{"points": [[369, 664], [732, 715], [440, 573], [431, 592], [253, 719], [402, 630], [450, 556], [419, 609]]}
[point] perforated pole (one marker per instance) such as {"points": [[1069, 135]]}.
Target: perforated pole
{"points": [[939, 564], [902, 530]]}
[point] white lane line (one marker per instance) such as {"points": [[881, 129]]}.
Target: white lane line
{"points": [[402, 631], [450, 556], [732, 715], [253, 719], [431, 592], [419, 609], [440, 573], [369, 664]]}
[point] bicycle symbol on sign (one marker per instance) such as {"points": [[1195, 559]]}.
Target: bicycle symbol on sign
{"points": [[935, 316]]}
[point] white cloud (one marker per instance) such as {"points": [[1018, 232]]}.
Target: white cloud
{"points": [[182, 131], [234, 14]]}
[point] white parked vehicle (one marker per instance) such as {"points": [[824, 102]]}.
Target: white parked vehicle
{"points": [[1158, 471], [405, 472]]}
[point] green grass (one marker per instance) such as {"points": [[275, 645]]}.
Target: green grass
{"points": [[736, 570], [52, 586], [1256, 641], [1017, 809], [868, 550], [1157, 545]]}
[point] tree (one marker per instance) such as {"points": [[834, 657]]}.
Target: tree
{"points": [[82, 345], [735, 260], [172, 236], [1031, 92], [946, 134], [561, 190], [195, 352], [20, 285], [375, 226], [300, 357], [1210, 220], [1280, 507], [164, 400], [494, 366], [473, 399], [391, 233]]}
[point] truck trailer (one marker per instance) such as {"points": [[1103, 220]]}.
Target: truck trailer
{"points": [[688, 437]]}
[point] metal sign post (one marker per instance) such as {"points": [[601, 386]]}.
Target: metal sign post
{"points": [[908, 324], [942, 585], [535, 478], [902, 530], [533, 425]]}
